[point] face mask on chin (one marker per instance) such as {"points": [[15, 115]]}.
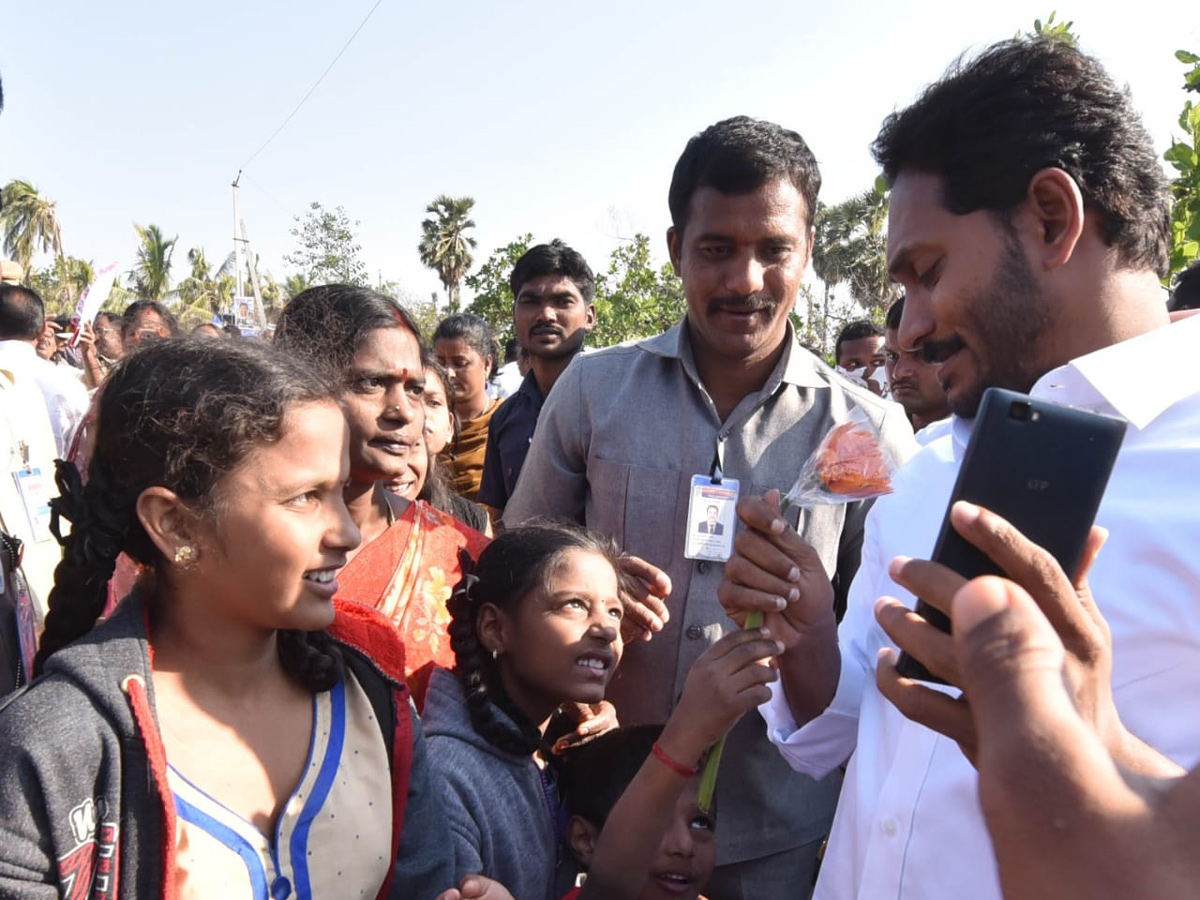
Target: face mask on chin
{"points": [[859, 376]]}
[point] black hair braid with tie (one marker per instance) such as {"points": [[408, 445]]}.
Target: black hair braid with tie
{"points": [[517, 563], [484, 691], [90, 550], [179, 414]]}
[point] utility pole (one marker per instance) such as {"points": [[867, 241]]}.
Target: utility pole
{"points": [[243, 257], [238, 238]]}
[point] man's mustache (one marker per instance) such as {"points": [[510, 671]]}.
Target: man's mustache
{"points": [[758, 301], [940, 351]]}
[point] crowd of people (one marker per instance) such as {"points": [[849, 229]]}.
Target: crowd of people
{"points": [[364, 612]]}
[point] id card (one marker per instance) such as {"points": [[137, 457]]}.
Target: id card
{"points": [[711, 519], [36, 499]]}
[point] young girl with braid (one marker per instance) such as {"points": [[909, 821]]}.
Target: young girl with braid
{"points": [[536, 625], [224, 733]]}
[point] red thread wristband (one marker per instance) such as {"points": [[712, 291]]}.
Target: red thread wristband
{"points": [[673, 764]]}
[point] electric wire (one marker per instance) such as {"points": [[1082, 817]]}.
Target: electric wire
{"points": [[316, 85]]}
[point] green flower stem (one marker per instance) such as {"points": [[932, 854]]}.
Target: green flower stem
{"points": [[708, 779]]}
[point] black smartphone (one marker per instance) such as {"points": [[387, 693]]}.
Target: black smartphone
{"points": [[1040, 465]]}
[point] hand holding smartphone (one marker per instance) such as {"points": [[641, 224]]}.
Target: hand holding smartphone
{"points": [[1041, 466]]}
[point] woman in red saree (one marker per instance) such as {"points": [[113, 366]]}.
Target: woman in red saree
{"points": [[408, 561]]}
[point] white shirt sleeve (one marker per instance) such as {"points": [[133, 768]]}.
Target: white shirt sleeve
{"points": [[826, 742]]}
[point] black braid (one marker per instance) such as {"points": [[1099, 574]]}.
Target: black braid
{"points": [[311, 658], [98, 529], [485, 693]]}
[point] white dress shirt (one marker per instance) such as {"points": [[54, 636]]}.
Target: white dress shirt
{"points": [[908, 823], [935, 430], [65, 395], [26, 440]]}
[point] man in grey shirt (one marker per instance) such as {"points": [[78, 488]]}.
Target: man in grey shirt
{"points": [[726, 394]]}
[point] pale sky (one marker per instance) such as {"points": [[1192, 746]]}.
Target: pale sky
{"points": [[562, 119]]}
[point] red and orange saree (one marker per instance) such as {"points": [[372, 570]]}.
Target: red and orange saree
{"points": [[408, 573]]}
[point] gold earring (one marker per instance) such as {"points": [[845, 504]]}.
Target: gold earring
{"points": [[184, 554]]}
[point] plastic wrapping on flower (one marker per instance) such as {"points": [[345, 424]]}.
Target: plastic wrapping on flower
{"points": [[850, 464]]}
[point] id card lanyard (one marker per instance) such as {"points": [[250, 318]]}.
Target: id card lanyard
{"points": [[712, 514], [35, 497]]}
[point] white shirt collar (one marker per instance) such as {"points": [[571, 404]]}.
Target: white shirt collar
{"points": [[18, 349], [1138, 379]]}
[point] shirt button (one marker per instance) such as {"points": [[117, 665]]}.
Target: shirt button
{"points": [[702, 567], [695, 632], [889, 827]]}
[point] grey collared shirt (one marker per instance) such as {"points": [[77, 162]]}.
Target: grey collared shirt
{"points": [[616, 446]]}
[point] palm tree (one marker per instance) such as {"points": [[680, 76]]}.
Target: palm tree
{"points": [[445, 245], [851, 247], [205, 290], [151, 275], [30, 223], [295, 284]]}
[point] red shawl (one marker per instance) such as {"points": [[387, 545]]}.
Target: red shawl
{"points": [[408, 574]]}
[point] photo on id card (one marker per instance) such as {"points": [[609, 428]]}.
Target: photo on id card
{"points": [[712, 518]]}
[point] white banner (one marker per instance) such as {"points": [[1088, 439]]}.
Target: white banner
{"points": [[92, 299]]}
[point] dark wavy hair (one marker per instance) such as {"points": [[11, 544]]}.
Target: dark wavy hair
{"points": [[327, 323], [554, 258], [596, 774], [471, 329], [740, 155], [180, 415], [511, 567], [854, 331], [1023, 105]]}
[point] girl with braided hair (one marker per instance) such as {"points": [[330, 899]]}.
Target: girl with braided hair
{"points": [[535, 626], [231, 730]]}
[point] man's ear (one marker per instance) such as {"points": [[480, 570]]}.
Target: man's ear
{"points": [[169, 524], [675, 248], [1054, 205], [582, 836], [589, 320]]}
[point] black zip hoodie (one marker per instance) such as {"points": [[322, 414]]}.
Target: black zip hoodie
{"points": [[85, 811]]}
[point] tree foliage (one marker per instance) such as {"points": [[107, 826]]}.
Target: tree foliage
{"points": [[208, 291], [634, 298], [424, 310], [327, 250], [60, 284], [30, 223], [1184, 157], [1055, 31], [850, 248], [493, 296], [445, 245], [150, 278]]}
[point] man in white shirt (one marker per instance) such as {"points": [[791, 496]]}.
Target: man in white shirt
{"points": [[1030, 238], [22, 319]]}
